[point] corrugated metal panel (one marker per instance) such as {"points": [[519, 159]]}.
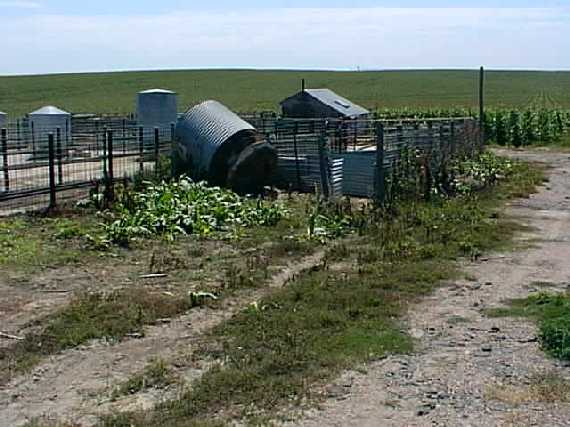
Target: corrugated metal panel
{"points": [[337, 176], [358, 173], [156, 108], [338, 103], [204, 129], [3, 119]]}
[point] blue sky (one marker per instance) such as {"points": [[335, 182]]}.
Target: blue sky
{"points": [[47, 36]]}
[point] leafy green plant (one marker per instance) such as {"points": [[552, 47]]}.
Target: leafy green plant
{"points": [[184, 207]]}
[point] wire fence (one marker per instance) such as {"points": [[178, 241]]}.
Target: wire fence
{"points": [[43, 167], [360, 158]]}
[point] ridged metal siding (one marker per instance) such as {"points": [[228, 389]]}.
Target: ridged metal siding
{"points": [[357, 175], [204, 129], [156, 108], [3, 119]]}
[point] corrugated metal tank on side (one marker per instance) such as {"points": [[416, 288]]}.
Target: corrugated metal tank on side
{"points": [[215, 144]]}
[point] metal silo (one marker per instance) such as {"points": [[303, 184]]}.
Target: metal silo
{"points": [[48, 120], [215, 144], [156, 108]]}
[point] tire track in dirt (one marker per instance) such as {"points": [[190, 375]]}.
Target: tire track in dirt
{"points": [[74, 385], [464, 356]]}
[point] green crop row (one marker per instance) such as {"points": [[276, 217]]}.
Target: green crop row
{"points": [[516, 127]]}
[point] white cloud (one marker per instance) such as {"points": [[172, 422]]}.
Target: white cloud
{"points": [[290, 38], [20, 4]]}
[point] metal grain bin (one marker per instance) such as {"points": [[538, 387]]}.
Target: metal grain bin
{"points": [[47, 120], [216, 145], [156, 108]]}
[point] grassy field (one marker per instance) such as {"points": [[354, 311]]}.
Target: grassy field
{"points": [[248, 90]]}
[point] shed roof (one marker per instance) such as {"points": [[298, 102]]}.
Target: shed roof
{"points": [[158, 91], [335, 101], [49, 110]]}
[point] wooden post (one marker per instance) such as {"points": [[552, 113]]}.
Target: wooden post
{"points": [[482, 105], [59, 157], [380, 182], [4, 138], [52, 184], [141, 149]]}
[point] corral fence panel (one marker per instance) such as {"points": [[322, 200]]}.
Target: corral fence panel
{"points": [[342, 158], [331, 157], [44, 168]]}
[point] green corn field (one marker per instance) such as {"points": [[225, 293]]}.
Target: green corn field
{"points": [[515, 127]]}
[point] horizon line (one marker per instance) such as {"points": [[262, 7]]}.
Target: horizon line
{"points": [[284, 69]]}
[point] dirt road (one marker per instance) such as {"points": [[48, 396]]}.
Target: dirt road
{"points": [[472, 370]]}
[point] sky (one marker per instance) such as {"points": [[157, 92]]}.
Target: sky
{"points": [[53, 36]]}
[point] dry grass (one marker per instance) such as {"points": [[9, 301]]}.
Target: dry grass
{"points": [[544, 388]]}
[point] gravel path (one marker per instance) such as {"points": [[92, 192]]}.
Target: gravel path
{"points": [[472, 370]]}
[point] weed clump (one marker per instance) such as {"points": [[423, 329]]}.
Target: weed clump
{"points": [[553, 315]]}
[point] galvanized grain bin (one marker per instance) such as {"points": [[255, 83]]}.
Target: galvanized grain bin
{"points": [[47, 120], [218, 146], [156, 108]]}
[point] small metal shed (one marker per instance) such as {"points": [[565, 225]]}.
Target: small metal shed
{"points": [[215, 144], [48, 120], [156, 108], [321, 103]]}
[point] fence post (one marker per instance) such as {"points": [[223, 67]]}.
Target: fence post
{"points": [[52, 184], [295, 148], [18, 134], [141, 149], [323, 162], [5, 159], [124, 135], [105, 153], [173, 149], [156, 151], [452, 140], [33, 141], [59, 156], [111, 174], [482, 105], [380, 184]]}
